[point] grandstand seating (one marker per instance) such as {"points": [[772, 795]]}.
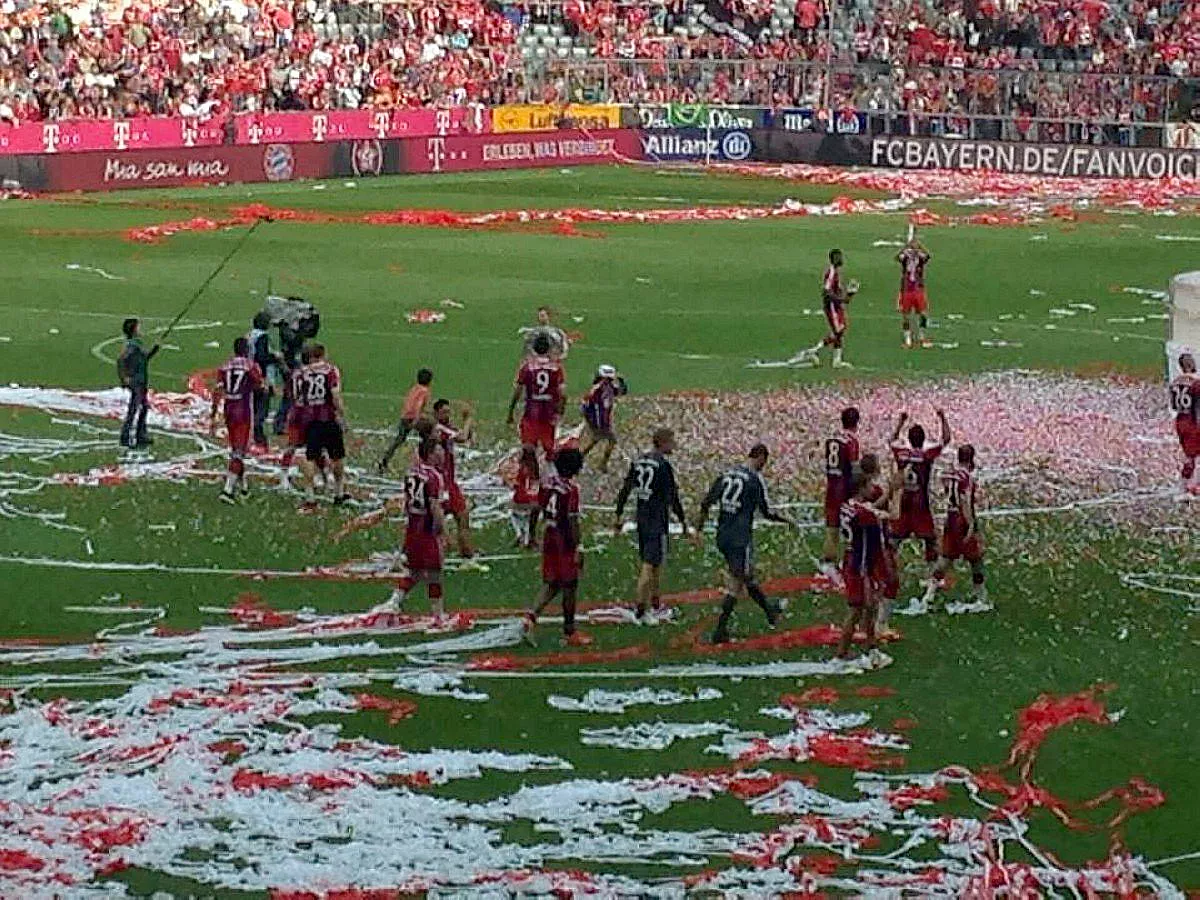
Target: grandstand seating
{"points": [[1064, 59]]}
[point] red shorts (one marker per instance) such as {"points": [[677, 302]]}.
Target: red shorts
{"points": [[835, 496], [423, 552], [912, 300], [239, 435], [559, 566], [1189, 436], [296, 429], [456, 502], [538, 434], [956, 544], [836, 316], [913, 524], [856, 582], [890, 574]]}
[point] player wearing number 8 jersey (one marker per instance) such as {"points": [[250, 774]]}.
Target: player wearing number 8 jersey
{"points": [[238, 380], [1185, 404], [841, 452], [542, 384], [739, 494], [651, 481]]}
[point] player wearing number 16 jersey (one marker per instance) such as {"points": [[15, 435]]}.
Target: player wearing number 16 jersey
{"points": [[739, 494], [542, 384], [1185, 403], [651, 481], [238, 380]]}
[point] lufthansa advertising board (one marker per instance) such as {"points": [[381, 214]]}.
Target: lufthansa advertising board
{"points": [[1062, 160], [693, 144]]}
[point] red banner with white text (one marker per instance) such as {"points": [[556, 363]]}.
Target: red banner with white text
{"points": [[568, 147], [360, 125]]}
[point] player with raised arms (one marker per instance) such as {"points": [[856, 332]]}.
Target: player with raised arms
{"points": [[1185, 404], [912, 301], [864, 565], [597, 409], [840, 454], [325, 430], [739, 494], [239, 380], [960, 537], [542, 383], [914, 463], [651, 481], [448, 437], [558, 504]]}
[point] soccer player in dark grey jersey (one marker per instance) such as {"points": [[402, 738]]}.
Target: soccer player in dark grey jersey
{"points": [[651, 481], [738, 495]]}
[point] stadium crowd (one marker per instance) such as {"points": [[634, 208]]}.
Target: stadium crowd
{"points": [[204, 58]]}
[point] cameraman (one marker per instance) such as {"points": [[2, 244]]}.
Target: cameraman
{"points": [[291, 342]]}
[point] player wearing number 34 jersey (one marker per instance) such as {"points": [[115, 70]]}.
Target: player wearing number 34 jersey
{"points": [[1185, 404]]}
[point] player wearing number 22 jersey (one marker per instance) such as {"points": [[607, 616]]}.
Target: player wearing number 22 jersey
{"points": [[1185, 404], [541, 384], [237, 382]]}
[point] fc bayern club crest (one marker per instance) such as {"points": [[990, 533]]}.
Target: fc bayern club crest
{"points": [[279, 163], [367, 158]]}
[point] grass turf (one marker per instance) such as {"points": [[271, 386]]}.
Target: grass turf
{"points": [[679, 307]]}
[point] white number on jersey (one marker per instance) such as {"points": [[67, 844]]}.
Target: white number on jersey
{"points": [[643, 474], [845, 518], [1181, 398], [552, 509], [234, 379], [314, 388], [415, 490], [541, 384], [833, 456], [953, 494], [731, 493]]}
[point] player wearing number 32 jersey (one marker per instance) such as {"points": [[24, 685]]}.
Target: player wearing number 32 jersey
{"points": [[651, 481], [542, 385], [1185, 404], [738, 495], [238, 380]]}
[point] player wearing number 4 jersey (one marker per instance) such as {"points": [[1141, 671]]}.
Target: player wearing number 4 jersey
{"points": [[738, 495], [558, 503], [1185, 404], [651, 481], [238, 381], [542, 384]]}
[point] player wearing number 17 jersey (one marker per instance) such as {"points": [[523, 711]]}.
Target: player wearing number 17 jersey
{"points": [[651, 481], [739, 494], [238, 381], [1185, 403], [542, 384]]}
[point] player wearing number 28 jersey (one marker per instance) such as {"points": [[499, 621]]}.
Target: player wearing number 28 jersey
{"points": [[1185, 404], [651, 481]]}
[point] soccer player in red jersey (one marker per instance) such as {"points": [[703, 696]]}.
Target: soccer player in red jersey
{"points": [[543, 385], [864, 565], [297, 419], [424, 533], [841, 452], [1185, 403], [526, 489], [561, 562], [914, 463], [237, 382], [960, 538], [448, 437], [912, 301], [324, 432], [835, 294]]}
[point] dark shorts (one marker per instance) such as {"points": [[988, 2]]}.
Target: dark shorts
{"points": [[652, 545], [739, 558], [600, 434], [324, 437]]}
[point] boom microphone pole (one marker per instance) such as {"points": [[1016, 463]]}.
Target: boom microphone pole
{"points": [[212, 276]]}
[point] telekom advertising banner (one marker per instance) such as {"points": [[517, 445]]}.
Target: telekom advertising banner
{"points": [[359, 125], [105, 136], [86, 135], [569, 147]]}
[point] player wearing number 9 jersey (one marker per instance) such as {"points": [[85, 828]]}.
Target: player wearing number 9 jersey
{"points": [[542, 384], [651, 481], [739, 494], [840, 453], [1185, 403], [238, 380], [558, 504]]}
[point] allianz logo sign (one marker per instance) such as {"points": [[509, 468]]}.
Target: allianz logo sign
{"points": [[732, 145]]}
